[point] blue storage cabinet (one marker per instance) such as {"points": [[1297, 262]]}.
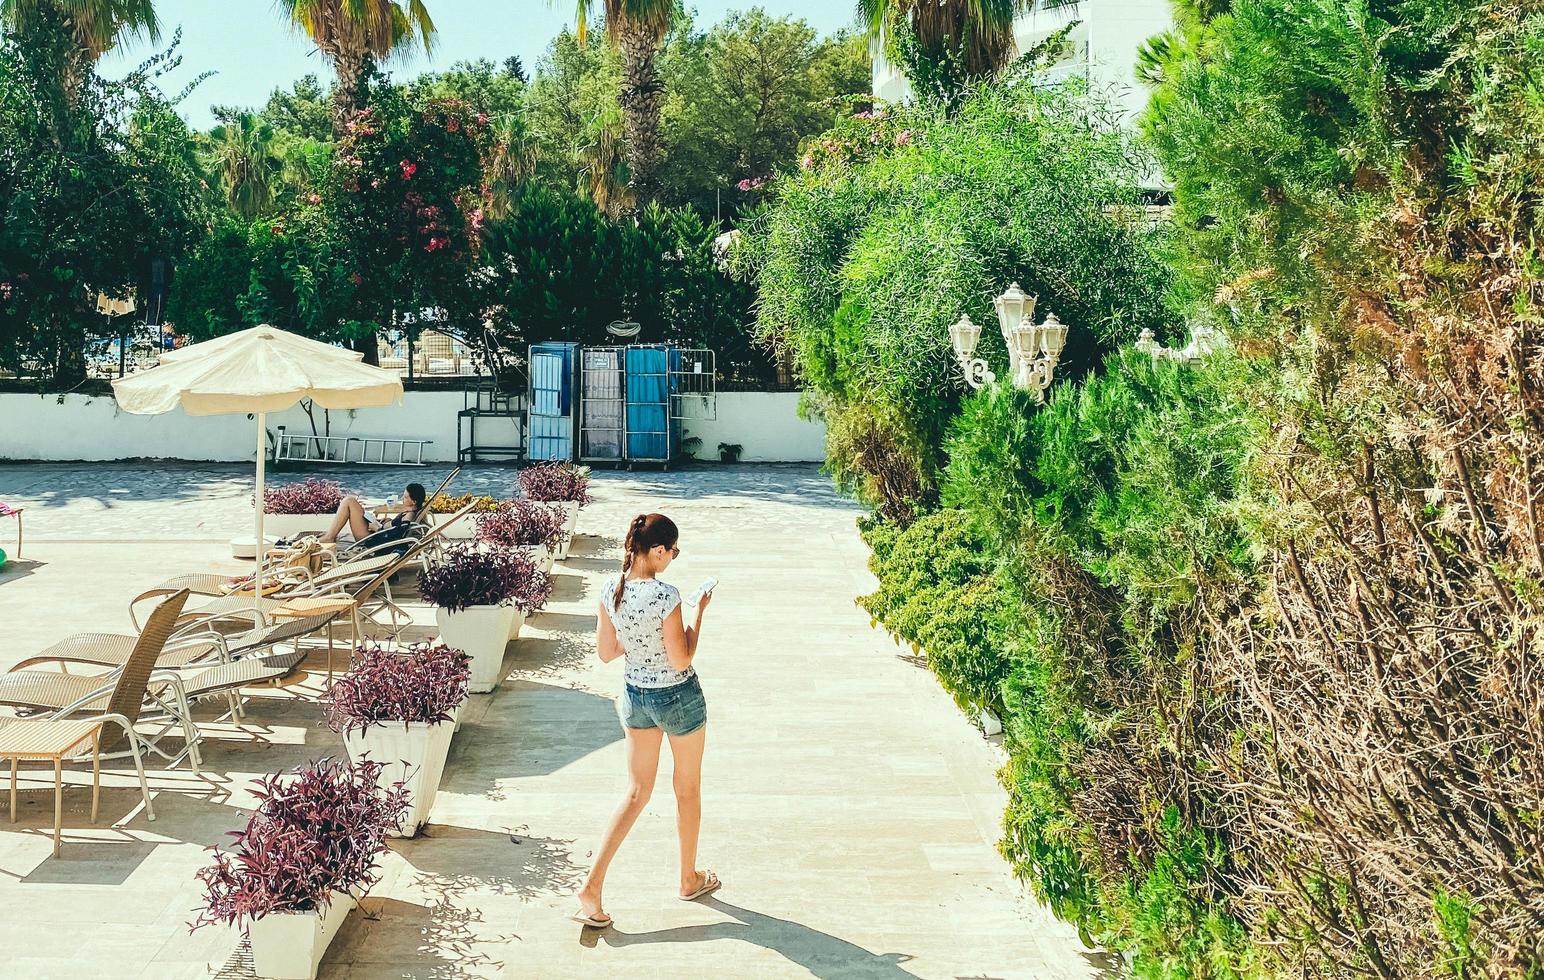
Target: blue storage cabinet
{"points": [[649, 424], [552, 401]]}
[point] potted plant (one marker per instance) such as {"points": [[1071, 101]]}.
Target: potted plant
{"points": [[729, 452], [559, 483], [525, 525], [299, 508], [481, 597], [400, 709], [444, 506], [306, 856]]}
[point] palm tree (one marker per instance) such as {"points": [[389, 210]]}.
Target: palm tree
{"points": [[637, 28], [969, 39], [602, 167], [243, 152], [93, 27], [350, 32], [512, 160]]}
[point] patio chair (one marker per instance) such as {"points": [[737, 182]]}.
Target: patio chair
{"points": [[121, 693], [104, 717]]}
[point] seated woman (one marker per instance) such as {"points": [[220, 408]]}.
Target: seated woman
{"points": [[351, 513]]}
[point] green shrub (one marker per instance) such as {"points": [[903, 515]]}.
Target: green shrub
{"points": [[938, 592], [900, 221]]}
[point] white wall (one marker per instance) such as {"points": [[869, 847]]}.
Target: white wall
{"points": [[79, 427], [767, 424]]}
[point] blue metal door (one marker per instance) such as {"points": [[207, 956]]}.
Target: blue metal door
{"points": [[551, 422]]}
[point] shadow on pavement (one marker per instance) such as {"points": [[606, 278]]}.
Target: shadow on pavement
{"points": [[822, 954], [18, 568], [453, 861]]}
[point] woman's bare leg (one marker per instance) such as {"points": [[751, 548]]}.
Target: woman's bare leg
{"points": [[352, 513], [686, 750], [642, 766]]}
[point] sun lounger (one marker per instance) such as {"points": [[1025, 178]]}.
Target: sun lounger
{"points": [[101, 725], [227, 604]]}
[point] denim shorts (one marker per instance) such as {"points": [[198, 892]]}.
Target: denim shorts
{"points": [[679, 709]]}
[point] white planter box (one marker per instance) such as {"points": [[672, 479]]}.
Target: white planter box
{"points": [[515, 624], [570, 510], [289, 525], [539, 555], [462, 530], [413, 754], [482, 632], [290, 945]]}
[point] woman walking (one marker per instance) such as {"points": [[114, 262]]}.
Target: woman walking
{"points": [[640, 619]]}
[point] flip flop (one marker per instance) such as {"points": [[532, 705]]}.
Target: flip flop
{"points": [[710, 884], [590, 921]]}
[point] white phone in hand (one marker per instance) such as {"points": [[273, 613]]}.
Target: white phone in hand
{"points": [[706, 587]]}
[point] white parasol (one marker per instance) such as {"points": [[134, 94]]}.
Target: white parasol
{"points": [[257, 371]]}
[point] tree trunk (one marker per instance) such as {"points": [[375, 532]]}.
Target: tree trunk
{"points": [[643, 92], [367, 346], [349, 66]]}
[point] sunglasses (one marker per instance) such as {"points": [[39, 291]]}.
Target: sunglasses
{"points": [[675, 552]]}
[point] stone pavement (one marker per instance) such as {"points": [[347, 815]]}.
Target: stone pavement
{"points": [[850, 809]]}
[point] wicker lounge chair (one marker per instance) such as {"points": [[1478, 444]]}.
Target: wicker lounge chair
{"points": [[228, 604], [86, 726], [189, 660]]}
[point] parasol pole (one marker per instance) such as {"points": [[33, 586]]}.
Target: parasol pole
{"points": [[262, 458]]}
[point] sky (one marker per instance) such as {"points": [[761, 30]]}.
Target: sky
{"points": [[253, 50]]}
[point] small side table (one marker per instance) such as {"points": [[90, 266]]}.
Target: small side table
{"points": [[52, 741], [8, 511], [308, 606]]}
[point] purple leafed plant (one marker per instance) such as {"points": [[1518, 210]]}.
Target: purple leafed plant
{"points": [[423, 683], [317, 831], [523, 522], [554, 482], [473, 576], [310, 496]]}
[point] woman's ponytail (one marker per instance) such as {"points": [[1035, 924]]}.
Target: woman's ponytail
{"points": [[629, 548]]}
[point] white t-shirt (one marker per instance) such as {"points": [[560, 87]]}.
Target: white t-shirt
{"points": [[640, 626]]}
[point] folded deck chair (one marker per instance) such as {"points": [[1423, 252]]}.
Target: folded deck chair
{"points": [[115, 706]]}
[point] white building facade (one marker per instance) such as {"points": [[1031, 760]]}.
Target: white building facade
{"points": [[1102, 47]]}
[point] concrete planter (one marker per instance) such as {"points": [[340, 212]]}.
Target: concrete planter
{"points": [[570, 510], [290, 945], [515, 624], [462, 530], [539, 555], [482, 633], [413, 754], [290, 525]]}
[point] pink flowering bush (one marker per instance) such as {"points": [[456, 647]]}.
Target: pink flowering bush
{"points": [[424, 684], [471, 576], [317, 831], [310, 496], [523, 523], [555, 482]]}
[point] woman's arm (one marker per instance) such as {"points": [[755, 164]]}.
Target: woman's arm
{"points": [[606, 643], [681, 642]]}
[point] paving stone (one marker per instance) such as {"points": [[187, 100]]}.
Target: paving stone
{"points": [[850, 808]]}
